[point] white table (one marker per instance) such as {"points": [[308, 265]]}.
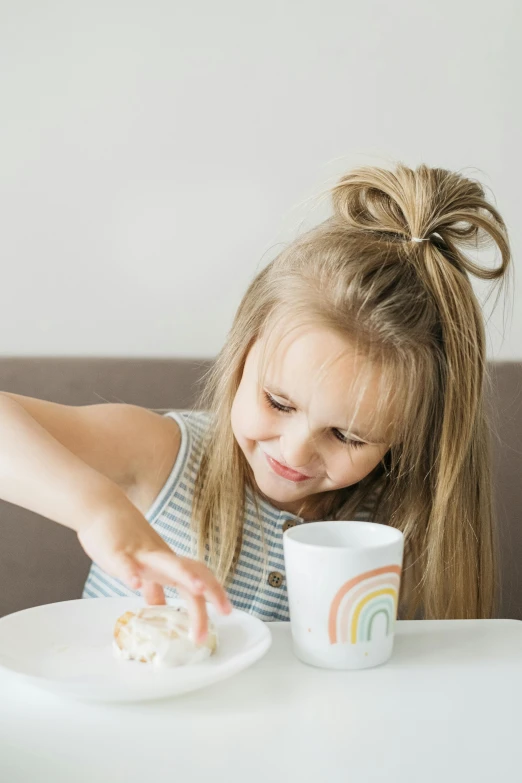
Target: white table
{"points": [[445, 708]]}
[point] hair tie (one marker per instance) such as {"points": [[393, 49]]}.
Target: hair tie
{"points": [[417, 239]]}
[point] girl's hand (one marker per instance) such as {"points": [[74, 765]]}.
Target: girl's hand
{"points": [[123, 543]]}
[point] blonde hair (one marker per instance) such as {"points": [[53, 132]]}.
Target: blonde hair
{"points": [[410, 307]]}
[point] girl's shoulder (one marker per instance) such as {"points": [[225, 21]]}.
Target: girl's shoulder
{"points": [[176, 436]]}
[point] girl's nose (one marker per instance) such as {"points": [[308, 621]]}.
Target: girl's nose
{"points": [[298, 452]]}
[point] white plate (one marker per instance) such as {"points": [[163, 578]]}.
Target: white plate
{"points": [[67, 648]]}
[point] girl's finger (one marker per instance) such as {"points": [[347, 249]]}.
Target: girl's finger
{"points": [[198, 614], [168, 568], [153, 593], [212, 590], [127, 570]]}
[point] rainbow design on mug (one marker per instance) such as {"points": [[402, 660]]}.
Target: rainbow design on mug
{"points": [[360, 601]]}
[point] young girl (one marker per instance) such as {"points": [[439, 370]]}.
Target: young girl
{"points": [[350, 386]]}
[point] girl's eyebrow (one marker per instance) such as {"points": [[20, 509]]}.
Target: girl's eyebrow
{"points": [[344, 430]]}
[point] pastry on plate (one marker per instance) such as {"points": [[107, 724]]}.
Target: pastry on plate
{"points": [[161, 635]]}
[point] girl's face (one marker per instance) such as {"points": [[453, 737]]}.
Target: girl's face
{"points": [[305, 432]]}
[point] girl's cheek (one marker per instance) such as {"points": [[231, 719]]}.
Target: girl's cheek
{"points": [[239, 418], [259, 425], [349, 469], [250, 420], [367, 462]]}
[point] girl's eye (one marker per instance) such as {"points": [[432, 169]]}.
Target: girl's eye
{"points": [[276, 405], [355, 444]]}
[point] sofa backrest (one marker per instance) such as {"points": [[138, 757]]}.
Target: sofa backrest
{"points": [[42, 562]]}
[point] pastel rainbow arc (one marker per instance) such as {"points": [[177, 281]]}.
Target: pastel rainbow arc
{"points": [[343, 615], [364, 604], [356, 630]]}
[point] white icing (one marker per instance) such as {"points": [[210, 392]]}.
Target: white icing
{"points": [[163, 636]]}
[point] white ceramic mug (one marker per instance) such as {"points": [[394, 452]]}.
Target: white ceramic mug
{"points": [[343, 582]]}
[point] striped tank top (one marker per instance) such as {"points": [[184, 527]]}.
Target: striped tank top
{"points": [[256, 589]]}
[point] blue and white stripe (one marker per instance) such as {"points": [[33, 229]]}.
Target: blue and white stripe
{"points": [[170, 516]]}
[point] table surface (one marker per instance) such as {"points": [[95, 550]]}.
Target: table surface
{"points": [[444, 708]]}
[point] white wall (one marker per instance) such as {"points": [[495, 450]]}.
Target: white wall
{"points": [[154, 153]]}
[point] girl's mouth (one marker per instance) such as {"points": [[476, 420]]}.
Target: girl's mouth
{"points": [[285, 472]]}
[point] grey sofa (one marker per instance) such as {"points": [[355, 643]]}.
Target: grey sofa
{"points": [[42, 562]]}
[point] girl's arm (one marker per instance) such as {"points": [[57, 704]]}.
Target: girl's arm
{"points": [[79, 466]]}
